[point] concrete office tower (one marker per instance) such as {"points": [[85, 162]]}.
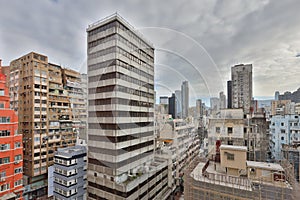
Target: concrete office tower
{"points": [[241, 77], [229, 94], [172, 106], [185, 98], [120, 113], [178, 103], [69, 175], [222, 98], [45, 117]]}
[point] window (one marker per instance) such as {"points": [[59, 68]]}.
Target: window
{"points": [[4, 160], [1, 92], [282, 131], [4, 120], [17, 144], [4, 187], [230, 156], [282, 124], [18, 157], [229, 130], [3, 174], [18, 182], [1, 105], [282, 138], [18, 170], [4, 147], [218, 129], [230, 142], [4, 133]]}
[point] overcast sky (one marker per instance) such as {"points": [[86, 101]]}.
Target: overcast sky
{"points": [[196, 40]]}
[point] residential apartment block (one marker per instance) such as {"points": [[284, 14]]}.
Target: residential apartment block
{"points": [[284, 130], [70, 165], [177, 142], [75, 84], [11, 148], [241, 87], [45, 116], [232, 127]]}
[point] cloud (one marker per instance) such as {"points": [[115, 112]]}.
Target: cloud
{"points": [[196, 41]]}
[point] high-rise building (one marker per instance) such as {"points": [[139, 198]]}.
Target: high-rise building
{"points": [[172, 106], [70, 165], [45, 117], [164, 100], [199, 109], [11, 152], [121, 113], [222, 98], [214, 105], [277, 95], [74, 84], [185, 98], [229, 94], [241, 77], [178, 103]]}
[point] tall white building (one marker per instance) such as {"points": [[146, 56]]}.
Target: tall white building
{"points": [[121, 114], [185, 98], [241, 77]]}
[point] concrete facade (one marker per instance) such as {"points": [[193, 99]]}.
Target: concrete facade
{"points": [[70, 165], [241, 77]]}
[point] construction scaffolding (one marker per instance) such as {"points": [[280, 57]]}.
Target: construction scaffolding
{"points": [[199, 184]]}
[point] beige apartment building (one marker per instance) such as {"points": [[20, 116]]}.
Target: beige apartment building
{"points": [[75, 84], [232, 127], [45, 116]]}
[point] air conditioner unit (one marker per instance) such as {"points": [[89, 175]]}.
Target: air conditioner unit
{"points": [[16, 162], [2, 179]]}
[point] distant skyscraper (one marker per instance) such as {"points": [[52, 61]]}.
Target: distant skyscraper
{"points": [[199, 109], [241, 77], [164, 100], [229, 94], [178, 103], [172, 106], [222, 98], [121, 113], [185, 98], [215, 104], [277, 95]]}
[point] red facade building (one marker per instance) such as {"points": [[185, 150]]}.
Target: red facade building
{"points": [[11, 148]]}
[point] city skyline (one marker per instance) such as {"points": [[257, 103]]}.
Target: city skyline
{"points": [[213, 34]]}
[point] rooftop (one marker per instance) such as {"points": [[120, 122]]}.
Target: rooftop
{"points": [[264, 165], [116, 16], [69, 152], [231, 147]]}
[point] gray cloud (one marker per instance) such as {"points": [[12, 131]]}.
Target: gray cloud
{"points": [[197, 41]]}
